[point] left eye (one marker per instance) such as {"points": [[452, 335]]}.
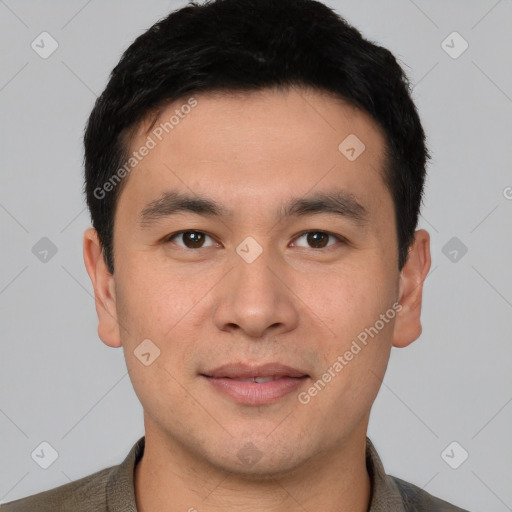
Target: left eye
{"points": [[318, 239]]}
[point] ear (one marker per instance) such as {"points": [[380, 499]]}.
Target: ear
{"points": [[104, 289], [413, 274]]}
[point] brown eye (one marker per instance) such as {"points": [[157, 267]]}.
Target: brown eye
{"points": [[318, 239], [189, 239]]}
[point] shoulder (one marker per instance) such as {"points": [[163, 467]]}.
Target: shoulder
{"points": [[85, 495], [417, 500], [108, 489], [392, 493]]}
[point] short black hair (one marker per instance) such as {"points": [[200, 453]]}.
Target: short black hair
{"points": [[250, 45]]}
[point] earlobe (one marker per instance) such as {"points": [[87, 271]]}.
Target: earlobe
{"points": [[413, 274], [104, 289]]}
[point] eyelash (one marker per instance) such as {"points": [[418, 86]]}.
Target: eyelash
{"points": [[339, 238]]}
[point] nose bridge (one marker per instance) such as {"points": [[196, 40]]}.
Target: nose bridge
{"points": [[252, 273]]}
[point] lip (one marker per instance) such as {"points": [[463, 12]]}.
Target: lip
{"points": [[234, 380], [246, 371]]}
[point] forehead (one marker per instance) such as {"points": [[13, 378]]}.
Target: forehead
{"points": [[253, 148]]}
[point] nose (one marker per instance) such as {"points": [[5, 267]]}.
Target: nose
{"points": [[256, 299]]}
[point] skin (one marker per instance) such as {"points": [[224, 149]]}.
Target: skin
{"points": [[296, 303]]}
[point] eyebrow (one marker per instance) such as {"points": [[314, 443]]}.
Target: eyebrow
{"points": [[337, 202]]}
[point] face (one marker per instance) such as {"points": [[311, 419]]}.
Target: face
{"points": [[283, 254]]}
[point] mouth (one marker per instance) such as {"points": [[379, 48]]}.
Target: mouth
{"points": [[258, 380], [256, 385]]}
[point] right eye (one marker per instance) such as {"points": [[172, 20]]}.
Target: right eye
{"points": [[190, 239]]}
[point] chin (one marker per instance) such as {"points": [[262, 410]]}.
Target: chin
{"points": [[259, 459]]}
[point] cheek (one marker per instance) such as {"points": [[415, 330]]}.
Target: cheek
{"points": [[353, 363], [359, 342], [161, 306], [350, 299], [152, 299]]}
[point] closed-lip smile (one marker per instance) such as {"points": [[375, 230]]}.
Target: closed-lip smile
{"points": [[255, 384]]}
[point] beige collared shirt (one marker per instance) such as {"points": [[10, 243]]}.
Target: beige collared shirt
{"points": [[112, 490]]}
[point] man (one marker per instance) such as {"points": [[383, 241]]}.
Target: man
{"points": [[254, 171]]}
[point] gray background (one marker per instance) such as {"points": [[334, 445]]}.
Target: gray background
{"points": [[60, 384]]}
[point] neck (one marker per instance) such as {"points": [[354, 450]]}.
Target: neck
{"points": [[169, 479]]}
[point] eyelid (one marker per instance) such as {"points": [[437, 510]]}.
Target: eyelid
{"points": [[340, 238], [168, 238]]}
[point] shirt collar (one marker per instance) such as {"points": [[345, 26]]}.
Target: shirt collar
{"points": [[120, 485], [385, 495]]}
